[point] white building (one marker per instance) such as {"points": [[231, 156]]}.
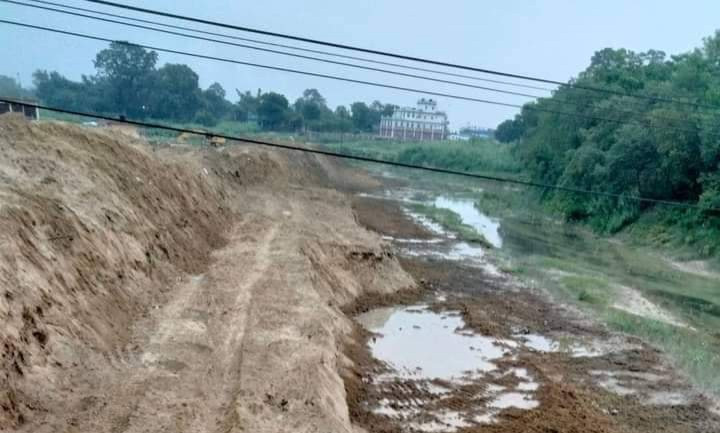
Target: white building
{"points": [[423, 122], [20, 107]]}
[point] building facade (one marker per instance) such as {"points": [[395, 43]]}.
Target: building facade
{"points": [[423, 122], [20, 107]]}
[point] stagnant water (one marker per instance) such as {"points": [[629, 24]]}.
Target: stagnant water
{"points": [[421, 346], [410, 340], [470, 215]]}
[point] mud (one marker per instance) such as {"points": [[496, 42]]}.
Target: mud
{"points": [[565, 373]]}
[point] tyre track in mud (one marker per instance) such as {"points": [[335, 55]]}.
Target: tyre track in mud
{"points": [[187, 353]]}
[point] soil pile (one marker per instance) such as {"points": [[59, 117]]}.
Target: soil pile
{"points": [[182, 289], [93, 229]]}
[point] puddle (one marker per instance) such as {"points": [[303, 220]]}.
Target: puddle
{"points": [[429, 224], [414, 241], [576, 349], [471, 216], [435, 354], [412, 338], [514, 399]]}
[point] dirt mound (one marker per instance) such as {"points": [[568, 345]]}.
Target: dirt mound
{"points": [[92, 229], [175, 289]]}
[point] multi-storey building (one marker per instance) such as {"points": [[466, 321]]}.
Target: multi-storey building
{"points": [[423, 122]]}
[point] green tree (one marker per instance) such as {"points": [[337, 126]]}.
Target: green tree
{"points": [[127, 71], [362, 118], [175, 93], [273, 111], [56, 90], [12, 89], [510, 130]]}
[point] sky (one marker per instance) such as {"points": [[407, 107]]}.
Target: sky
{"points": [[552, 39]]}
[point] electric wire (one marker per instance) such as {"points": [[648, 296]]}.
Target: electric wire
{"points": [[350, 65], [554, 100], [292, 47], [395, 55], [363, 158], [349, 80]]}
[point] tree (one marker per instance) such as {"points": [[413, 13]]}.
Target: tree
{"points": [[311, 106], [510, 130], [56, 90], [246, 106], [362, 118], [175, 93], [273, 110], [127, 71], [659, 151], [12, 89], [214, 104]]}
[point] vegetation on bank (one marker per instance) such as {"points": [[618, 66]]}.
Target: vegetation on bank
{"points": [[644, 147], [128, 82], [588, 270], [477, 155]]}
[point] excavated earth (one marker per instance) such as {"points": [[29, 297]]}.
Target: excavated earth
{"points": [[175, 289]]}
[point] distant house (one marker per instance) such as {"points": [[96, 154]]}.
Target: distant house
{"points": [[20, 107], [476, 132], [423, 122]]}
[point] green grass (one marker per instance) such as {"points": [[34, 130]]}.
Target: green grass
{"points": [[480, 156], [695, 352], [63, 117], [225, 127]]}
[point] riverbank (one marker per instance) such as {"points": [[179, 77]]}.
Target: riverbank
{"points": [[480, 351]]}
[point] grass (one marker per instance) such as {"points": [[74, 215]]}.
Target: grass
{"points": [[588, 269], [694, 352], [225, 127], [481, 155]]}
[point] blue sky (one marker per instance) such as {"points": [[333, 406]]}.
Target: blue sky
{"points": [[553, 39]]}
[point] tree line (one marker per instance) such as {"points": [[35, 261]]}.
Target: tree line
{"points": [[128, 82], [658, 149]]}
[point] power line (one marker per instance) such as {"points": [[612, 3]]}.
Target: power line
{"points": [[350, 65], [554, 100], [344, 79], [366, 159], [395, 55], [291, 47]]}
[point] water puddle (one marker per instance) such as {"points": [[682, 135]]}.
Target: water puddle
{"points": [[410, 340], [514, 399], [471, 216], [432, 357], [576, 349]]}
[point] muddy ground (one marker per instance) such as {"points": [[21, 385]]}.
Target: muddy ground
{"points": [[624, 386]]}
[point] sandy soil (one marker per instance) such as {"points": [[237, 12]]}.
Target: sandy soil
{"points": [[626, 386], [177, 291]]}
